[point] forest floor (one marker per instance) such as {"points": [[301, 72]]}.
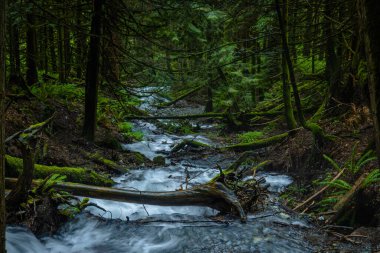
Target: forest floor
{"points": [[62, 144]]}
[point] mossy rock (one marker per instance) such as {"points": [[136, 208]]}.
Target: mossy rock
{"points": [[137, 158], [99, 159], [159, 161], [111, 143], [14, 166]]}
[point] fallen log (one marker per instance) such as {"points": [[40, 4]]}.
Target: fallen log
{"points": [[14, 166], [216, 196], [204, 115], [183, 96], [258, 144]]}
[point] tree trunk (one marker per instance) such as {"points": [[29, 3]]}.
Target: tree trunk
{"points": [[289, 63], [61, 65], [51, 42], [112, 43], [31, 50], [289, 115], [369, 19], [43, 49], [92, 73], [15, 78], [20, 193], [332, 61], [214, 195], [2, 125], [80, 40], [209, 104], [66, 49], [53, 56]]}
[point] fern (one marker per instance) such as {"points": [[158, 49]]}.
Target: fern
{"points": [[340, 187], [332, 162], [339, 184], [365, 159], [373, 177]]}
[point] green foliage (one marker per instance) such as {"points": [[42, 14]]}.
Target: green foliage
{"points": [[340, 187], [182, 127], [112, 111], [362, 73], [304, 64], [70, 205], [372, 178], [66, 92], [73, 208], [332, 162], [126, 130], [250, 136], [353, 165]]}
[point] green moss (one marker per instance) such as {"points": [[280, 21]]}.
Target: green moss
{"points": [[140, 159], [249, 136], [14, 166], [159, 160], [110, 142], [259, 143], [126, 129], [191, 143], [106, 162]]}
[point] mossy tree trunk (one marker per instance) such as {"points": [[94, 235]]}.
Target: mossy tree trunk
{"points": [[313, 127], [289, 63], [286, 93]]}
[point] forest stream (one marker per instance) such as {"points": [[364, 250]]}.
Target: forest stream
{"points": [[139, 228]]}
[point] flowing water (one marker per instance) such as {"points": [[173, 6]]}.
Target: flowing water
{"points": [[144, 228]]}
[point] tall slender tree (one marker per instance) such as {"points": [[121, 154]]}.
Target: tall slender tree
{"points": [[369, 20], [31, 49], [2, 123], [92, 72], [286, 93]]}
